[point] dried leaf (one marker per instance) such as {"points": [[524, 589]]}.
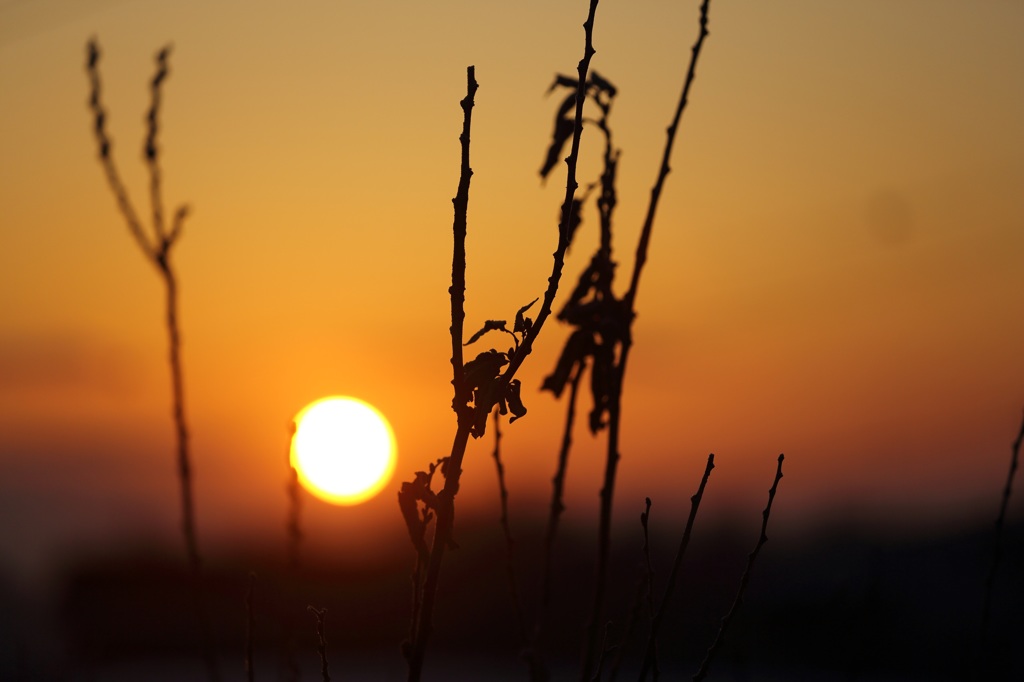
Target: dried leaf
{"points": [[484, 368], [578, 346], [489, 325], [521, 322], [561, 135], [515, 401], [562, 81], [602, 84]]}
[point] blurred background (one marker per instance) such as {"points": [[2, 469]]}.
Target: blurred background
{"points": [[835, 274]]}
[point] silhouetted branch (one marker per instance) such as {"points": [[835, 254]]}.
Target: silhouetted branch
{"points": [[105, 144], [706, 664], [652, 208], [506, 530], [631, 621], [997, 549], [614, 381], [533, 662], [293, 522], [293, 532], [503, 388], [677, 564], [158, 253], [321, 637], [444, 502], [605, 650], [557, 492], [571, 186], [652, 648]]}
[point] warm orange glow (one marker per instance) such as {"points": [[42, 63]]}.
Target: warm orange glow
{"points": [[343, 450]]}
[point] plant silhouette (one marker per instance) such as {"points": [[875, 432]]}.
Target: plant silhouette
{"points": [[157, 246]]}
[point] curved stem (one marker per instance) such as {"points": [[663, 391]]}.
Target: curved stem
{"points": [[706, 663]]}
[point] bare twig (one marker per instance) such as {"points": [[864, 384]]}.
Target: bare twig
{"points": [[536, 667], [445, 500], [321, 637], [293, 529], [652, 207], [649, 656], [645, 519], [293, 521], [631, 621], [997, 549], [506, 529], [720, 637], [606, 649], [615, 380], [157, 250], [557, 492]]}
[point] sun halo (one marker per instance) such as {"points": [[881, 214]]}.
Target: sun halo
{"points": [[343, 450]]}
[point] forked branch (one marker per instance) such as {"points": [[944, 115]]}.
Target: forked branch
{"points": [[157, 250], [720, 637], [677, 564], [491, 392]]}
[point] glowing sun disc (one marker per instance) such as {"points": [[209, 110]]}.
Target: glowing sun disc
{"points": [[343, 450]]}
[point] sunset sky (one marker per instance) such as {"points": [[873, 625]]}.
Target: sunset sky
{"points": [[836, 268]]}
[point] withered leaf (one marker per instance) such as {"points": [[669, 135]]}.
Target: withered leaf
{"points": [[515, 401], [484, 368], [489, 325], [521, 325]]}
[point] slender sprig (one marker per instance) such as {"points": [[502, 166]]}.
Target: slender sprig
{"points": [[650, 660], [557, 506], [156, 247], [997, 545], [645, 519], [614, 381], [321, 641], [537, 670], [293, 531], [762, 539], [490, 392]]}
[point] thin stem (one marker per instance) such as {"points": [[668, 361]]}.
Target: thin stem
{"points": [[618, 372], [150, 151], [652, 208], [321, 637], [571, 185], [104, 145], [673, 577], [537, 670], [293, 521], [703, 671], [631, 620], [607, 494], [645, 519], [442, 539], [557, 492], [293, 528], [446, 498], [457, 291], [159, 254], [506, 529], [997, 549]]}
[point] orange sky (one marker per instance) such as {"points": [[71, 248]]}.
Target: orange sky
{"points": [[835, 274]]}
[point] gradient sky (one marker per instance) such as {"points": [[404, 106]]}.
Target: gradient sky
{"points": [[836, 269]]}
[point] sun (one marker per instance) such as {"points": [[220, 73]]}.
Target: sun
{"points": [[343, 450]]}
